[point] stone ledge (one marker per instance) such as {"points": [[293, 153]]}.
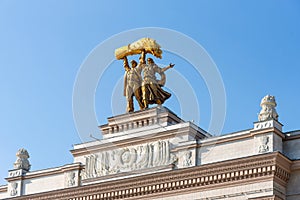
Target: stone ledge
{"points": [[143, 118], [3, 188], [130, 174], [268, 167], [47, 172], [273, 197], [140, 137]]}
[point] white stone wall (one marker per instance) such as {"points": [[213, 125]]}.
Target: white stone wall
{"points": [[79, 159], [293, 186], [291, 149], [277, 143], [43, 184], [225, 151], [3, 194]]}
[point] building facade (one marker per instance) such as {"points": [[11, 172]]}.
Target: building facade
{"points": [[153, 154]]}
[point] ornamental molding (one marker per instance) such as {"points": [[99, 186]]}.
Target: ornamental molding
{"points": [[128, 159], [130, 121], [264, 167], [163, 135], [70, 179], [291, 137], [42, 173], [296, 165], [247, 135], [268, 130], [264, 144], [14, 188], [273, 197], [118, 176], [3, 188], [136, 139], [187, 159]]}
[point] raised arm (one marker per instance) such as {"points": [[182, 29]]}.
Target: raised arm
{"points": [[125, 64], [168, 67], [143, 57]]}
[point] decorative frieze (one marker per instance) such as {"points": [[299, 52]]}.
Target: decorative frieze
{"points": [[15, 173], [128, 159], [267, 124]]}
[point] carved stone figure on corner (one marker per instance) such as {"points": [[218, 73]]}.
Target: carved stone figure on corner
{"points": [[268, 110], [22, 160]]}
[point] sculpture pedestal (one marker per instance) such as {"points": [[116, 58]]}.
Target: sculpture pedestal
{"points": [[138, 143]]}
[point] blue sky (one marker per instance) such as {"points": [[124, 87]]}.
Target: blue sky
{"points": [[254, 44]]}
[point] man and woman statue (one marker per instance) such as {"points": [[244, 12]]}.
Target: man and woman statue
{"points": [[140, 81]]}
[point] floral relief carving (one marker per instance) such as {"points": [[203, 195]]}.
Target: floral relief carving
{"points": [[70, 179], [187, 159], [14, 189], [264, 146]]}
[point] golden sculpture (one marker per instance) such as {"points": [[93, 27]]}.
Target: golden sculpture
{"points": [[132, 84], [145, 44], [146, 89]]}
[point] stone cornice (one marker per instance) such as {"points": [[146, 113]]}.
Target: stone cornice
{"points": [[221, 139], [296, 165], [3, 188], [188, 146], [264, 167], [135, 173], [49, 172], [268, 130], [161, 135], [273, 197], [235, 137], [292, 137], [136, 119]]}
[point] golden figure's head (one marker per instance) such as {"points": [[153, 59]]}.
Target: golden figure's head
{"points": [[133, 63], [150, 60]]}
